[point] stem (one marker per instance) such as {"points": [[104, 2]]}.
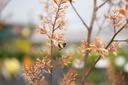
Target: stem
{"points": [[47, 35], [51, 63], [114, 26], [79, 16], [93, 67], [86, 57], [115, 36], [89, 31], [59, 25], [53, 30], [89, 38], [119, 40], [105, 48], [100, 26], [54, 24], [103, 4]]}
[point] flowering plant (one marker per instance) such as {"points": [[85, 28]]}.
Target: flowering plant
{"points": [[56, 21]]}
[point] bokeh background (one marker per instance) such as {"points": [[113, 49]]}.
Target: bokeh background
{"points": [[20, 44]]}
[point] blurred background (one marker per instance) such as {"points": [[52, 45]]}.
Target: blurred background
{"points": [[20, 44]]}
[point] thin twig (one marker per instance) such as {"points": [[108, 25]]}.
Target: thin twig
{"points": [[100, 6], [48, 35], [119, 40], [59, 26], [103, 4], [114, 26], [79, 16], [93, 67], [100, 26], [92, 59], [115, 36]]}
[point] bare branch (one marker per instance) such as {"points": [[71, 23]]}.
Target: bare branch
{"points": [[103, 4], [105, 48], [79, 16]]}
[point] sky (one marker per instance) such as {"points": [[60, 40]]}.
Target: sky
{"points": [[25, 11], [22, 11]]}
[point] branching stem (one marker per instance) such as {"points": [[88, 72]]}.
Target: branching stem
{"points": [[88, 40], [105, 48], [53, 30]]}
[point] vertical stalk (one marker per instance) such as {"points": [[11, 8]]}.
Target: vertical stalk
{"points": [[88, 40], [52, 46], [51, 62]]}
